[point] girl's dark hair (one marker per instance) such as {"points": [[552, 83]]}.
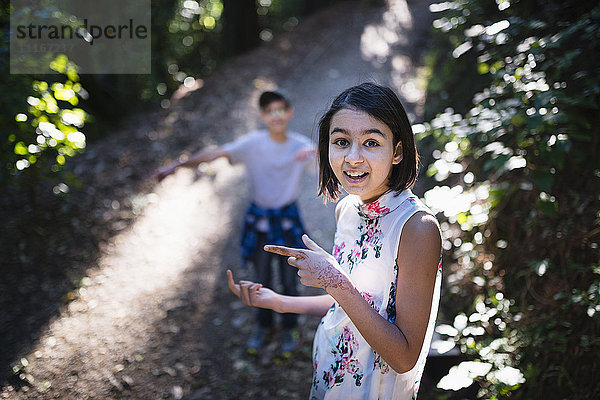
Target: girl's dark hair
{"points": [[381, 103]]}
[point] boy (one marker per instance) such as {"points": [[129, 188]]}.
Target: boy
{"points": [[274, 159]]}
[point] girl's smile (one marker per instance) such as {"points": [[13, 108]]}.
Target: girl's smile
{"points": [[362, 153]]}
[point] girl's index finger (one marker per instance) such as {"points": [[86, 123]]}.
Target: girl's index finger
{"points": [[285, 251]]}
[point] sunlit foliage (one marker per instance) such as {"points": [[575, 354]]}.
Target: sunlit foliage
{"points": [[197, 33], [276, 16], [518, 183], [195, 30], [41, 123], [48, 128]]}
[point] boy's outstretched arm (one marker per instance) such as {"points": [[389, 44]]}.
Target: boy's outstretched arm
{"points": [[254, 294], [205, 155], [304, 153]]}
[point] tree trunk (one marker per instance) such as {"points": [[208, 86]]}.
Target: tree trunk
{"points": [[240, 24]]}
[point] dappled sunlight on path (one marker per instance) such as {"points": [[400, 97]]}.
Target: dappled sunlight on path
{"points": [[139, 271], [389, 41], [378, 39]]}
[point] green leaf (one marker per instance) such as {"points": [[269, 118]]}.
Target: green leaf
{"points": [[483, 68], [518, 120], [21, 149]]}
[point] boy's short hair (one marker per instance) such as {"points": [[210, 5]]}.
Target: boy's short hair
{"points": [[382, 104], [270, 96]]}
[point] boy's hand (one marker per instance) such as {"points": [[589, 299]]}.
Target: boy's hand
{"points": [[252, 294], [304, 153], [315, 266]]}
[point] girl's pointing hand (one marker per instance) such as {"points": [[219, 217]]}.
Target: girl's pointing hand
{"points": [[316, 267]]}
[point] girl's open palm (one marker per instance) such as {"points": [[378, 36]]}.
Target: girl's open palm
{"points": [[316, 267], [252, 293]]}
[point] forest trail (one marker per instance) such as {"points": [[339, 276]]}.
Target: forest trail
{"points": [[153, 317]]}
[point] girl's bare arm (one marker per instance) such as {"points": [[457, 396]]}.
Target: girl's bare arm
{"points": [[254, 294]]}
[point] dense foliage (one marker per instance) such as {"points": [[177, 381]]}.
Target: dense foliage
{"points": [[518, 182]]}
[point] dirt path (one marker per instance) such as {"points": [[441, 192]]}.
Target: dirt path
{"points": [[152, 317]]}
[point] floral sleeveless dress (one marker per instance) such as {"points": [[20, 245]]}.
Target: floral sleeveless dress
{"points": [[366, 246]]}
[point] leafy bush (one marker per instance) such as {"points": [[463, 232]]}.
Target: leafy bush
{"points": [[47, 132], [519, 186], [49, 127], [41, 121]]}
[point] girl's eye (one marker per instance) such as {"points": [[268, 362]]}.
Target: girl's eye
{"points": [[371, 143], [340, 142]]}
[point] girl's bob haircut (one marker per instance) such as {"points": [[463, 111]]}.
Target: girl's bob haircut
{"points": [[381, 103]]}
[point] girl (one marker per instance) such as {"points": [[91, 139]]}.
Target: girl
{"points": [[383, 278]]}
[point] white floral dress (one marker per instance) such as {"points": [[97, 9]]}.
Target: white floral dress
{"points": [[366, 247]]}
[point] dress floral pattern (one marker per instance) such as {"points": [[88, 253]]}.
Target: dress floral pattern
{"points": [[366, 242], [370, 235], [381, 365], [391, 306], [338, 251], [345, 361]]}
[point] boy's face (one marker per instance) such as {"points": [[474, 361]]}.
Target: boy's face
{"points": [[276, 115]]}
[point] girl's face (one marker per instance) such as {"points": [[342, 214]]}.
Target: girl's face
{"points": [[362, 153]]}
